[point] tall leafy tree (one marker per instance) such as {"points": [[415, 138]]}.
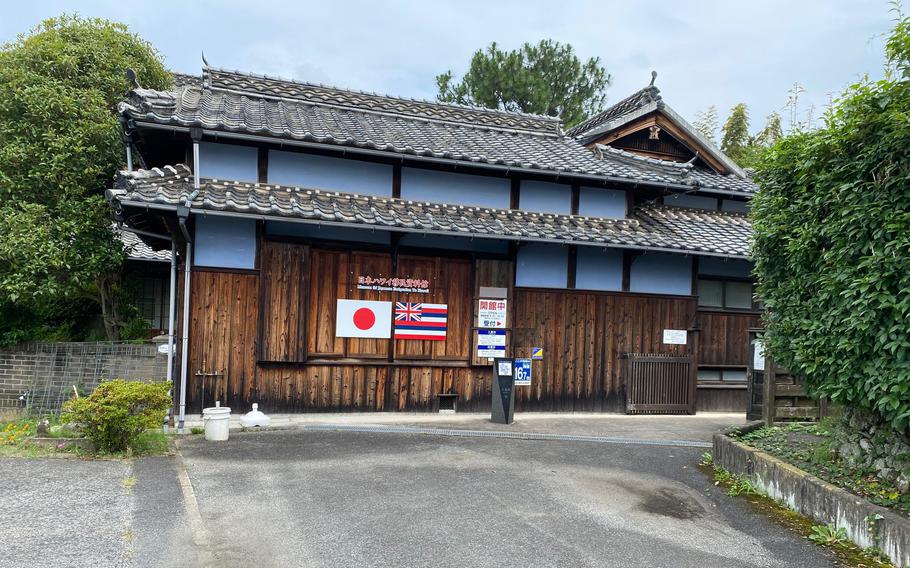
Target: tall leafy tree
{"points": [[706, 123], [544, 78], [735, 139], [59, 148], [832, 246]]}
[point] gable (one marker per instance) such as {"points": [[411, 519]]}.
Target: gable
{"points": [[672, 141]]}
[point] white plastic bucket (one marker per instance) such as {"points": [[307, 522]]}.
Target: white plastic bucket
{"points": [[216, 421]]}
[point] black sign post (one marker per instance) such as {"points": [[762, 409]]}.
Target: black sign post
{"points": [[503, 391]]}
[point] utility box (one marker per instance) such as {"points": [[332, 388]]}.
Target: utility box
{"points": [[503, 391]]}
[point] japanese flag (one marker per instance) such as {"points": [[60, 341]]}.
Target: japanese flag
{"points": [[362, 318]]}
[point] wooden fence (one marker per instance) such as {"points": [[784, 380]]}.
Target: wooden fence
{"points": [[777, 395], [659, 384]]}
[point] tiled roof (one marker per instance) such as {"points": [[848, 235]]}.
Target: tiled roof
{"points": [[229, 101], [249, 104], [623, 164], [641, 103], [651, 227], [138, 250], [647, 97]]}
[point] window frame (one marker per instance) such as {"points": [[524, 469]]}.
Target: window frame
{"points": [[724, 280]]}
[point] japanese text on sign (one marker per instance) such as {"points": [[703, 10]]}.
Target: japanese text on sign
{"points": [[523, 372], [393, 284], [491, 314]]}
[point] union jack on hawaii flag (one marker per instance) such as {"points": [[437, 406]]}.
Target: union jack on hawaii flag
{"points": [[420, 321]]}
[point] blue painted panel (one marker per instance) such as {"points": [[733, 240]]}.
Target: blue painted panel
{"points": [[598, 269], [713, 266], [661, 274], [734, 206], [545, 197], [454, 243], [542, 266], [691, 201], [598, 202], [228, 162], [329, 233], [461, 189], [323, 172], [225, 242]]}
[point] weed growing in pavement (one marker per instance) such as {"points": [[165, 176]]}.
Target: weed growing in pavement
{"points": [[828, 535]]}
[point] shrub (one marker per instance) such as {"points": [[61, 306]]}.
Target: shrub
{"points": [[118, 411], [832, 246]]}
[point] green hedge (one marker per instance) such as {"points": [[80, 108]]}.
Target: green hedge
{"points": [[832, 246]]}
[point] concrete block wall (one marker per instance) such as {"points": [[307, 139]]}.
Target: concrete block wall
{"points": [[47, 372]]}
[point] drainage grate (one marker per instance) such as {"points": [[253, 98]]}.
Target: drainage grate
{"points": [[498, 434]]}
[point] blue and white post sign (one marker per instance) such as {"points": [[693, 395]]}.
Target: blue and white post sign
{"points": [[491, 343], [522, 372]]}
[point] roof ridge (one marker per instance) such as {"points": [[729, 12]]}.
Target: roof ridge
{"points": [[461, 106], [594, 121]]}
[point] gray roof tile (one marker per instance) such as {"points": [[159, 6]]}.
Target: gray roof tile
{"points": [[250, 104], [650, 227]]}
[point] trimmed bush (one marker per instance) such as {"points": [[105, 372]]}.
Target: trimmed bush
{"points": [[832, 246], [118, 411]]}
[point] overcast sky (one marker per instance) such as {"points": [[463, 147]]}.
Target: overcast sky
{"points": [[705, 51]]}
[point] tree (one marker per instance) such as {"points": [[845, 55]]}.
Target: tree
{"points": [[771, 133], [59, 148], [735, 140], [832, 246], [706, 123], [758, 145], [546, 78]]}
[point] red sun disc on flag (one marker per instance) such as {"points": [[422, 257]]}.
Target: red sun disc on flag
{"points": [[364, 318]]}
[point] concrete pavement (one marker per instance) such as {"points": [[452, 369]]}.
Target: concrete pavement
{"points": [[342, 498], [698, 427], [301, 498]]}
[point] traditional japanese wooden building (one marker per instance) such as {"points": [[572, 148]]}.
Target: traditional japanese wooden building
{"points": [[333, 247]]}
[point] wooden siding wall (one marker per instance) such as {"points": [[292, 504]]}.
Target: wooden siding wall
{"points": [[725, 337], [584, 335], [246, 336]]}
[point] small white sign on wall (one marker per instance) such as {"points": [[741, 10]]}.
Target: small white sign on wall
{"points": [[758, 356], [675, 336]]}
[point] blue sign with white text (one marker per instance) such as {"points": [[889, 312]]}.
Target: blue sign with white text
{"points": [[523, 372]]}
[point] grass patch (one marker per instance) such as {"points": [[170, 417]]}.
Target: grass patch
{"points": [[15, 442], [829, 537], [809, 447]]}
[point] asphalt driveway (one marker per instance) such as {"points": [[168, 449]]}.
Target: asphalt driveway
{"points": [[323, 498]]}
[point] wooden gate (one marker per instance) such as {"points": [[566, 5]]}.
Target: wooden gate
{"points": [[775, 394], [659, 384]]}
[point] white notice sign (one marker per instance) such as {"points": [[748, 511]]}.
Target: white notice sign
{"points": [[758, 356], [491, 343], [491, 314], [675, 336]]}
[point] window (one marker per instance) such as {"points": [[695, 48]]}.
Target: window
{"points": [[731, 294], [721, 375], [153, 301]]}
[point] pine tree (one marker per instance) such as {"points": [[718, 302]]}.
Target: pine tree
{"points": [[542, 78]]}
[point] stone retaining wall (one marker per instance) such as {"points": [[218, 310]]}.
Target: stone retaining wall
{"points": [[818, 499]]}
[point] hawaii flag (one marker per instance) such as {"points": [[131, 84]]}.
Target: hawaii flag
{"points": [[363, 318], [421, 321]]}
